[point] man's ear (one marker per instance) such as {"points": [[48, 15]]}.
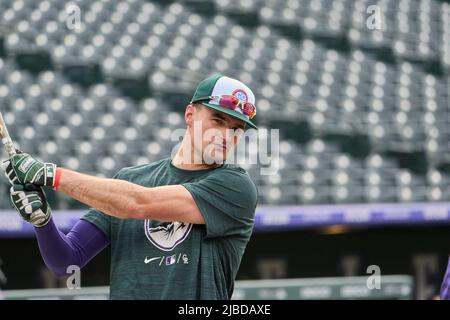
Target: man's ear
{"points": [[189, 115]]}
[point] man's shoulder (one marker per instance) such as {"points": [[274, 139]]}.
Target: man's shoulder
{"points": [[236, 174], [142, 168], [234, 177], [235, 169]]}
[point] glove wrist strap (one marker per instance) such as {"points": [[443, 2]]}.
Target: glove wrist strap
{"points": [[57, 178]]}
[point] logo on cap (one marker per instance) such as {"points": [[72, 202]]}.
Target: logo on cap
{"points": [[240, 94]]}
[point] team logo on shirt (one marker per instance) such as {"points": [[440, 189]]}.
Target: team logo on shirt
{"points": [[167, 235]]}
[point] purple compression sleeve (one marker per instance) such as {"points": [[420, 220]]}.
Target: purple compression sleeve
{"points": [[78, 247], [445, 288]]}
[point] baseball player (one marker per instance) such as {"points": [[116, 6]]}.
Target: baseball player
{"points": [[177, 228]]}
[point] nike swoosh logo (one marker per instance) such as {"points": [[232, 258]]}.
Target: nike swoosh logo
{"points": [[150, 260]]}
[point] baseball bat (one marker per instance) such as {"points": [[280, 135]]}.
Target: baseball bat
{"points": [[6, 139]]}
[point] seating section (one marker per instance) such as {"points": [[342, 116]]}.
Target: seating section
{"points": [[362, 112]]}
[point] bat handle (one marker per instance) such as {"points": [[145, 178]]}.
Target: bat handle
{"points": [[9, 146]]}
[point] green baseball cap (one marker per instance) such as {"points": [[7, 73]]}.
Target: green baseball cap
{"points": [[220, 85]]}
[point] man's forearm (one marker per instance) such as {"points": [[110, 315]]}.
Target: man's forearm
{"points": [[126, 200], [115, 197]]}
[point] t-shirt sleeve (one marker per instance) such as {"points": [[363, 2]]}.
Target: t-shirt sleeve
{"points": [[227, 200], [99, 219]]}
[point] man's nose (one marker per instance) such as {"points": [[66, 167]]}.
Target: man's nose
{"points": [[228, 136]]}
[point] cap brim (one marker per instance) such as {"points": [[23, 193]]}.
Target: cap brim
{"points": [[232, 113]]}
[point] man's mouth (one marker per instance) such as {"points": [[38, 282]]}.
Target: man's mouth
{"points": [[221, 146]]}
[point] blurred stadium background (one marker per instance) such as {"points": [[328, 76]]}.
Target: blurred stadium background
{"points": [[363, 114]]}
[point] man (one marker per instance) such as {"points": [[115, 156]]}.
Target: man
{"points": [[177, 227]]}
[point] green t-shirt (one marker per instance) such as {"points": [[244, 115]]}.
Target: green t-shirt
{"points": [[175, 260]]}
